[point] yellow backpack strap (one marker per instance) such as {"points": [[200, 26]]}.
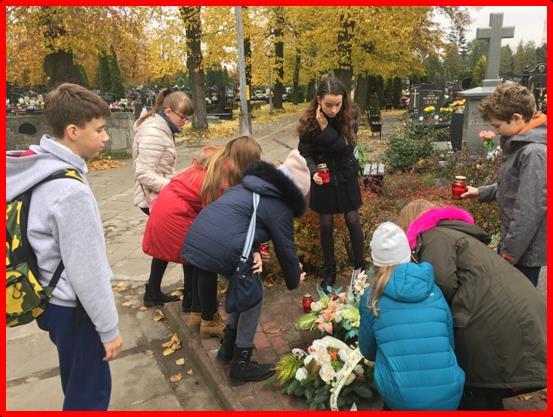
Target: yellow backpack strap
{"points": [[65, 173]]}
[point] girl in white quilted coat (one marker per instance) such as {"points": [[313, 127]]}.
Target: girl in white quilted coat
{"points": [[154, 158]]}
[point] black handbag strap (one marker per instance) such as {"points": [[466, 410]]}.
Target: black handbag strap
{"points": [[251, 229]]}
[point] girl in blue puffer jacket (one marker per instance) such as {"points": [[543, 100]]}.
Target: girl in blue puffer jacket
{"points": [[406, 328]]}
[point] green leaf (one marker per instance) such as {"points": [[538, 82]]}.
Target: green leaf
{"points": [[321, 398], [307, 322], [362, 390], [299, 391], [309, 393], [313, 406], [292, 387], [287, 367]]}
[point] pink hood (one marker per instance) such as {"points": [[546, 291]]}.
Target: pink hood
{"points": [[430, 219]]}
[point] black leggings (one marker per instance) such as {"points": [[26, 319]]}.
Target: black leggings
{"points": [[157, 270], [482, 399], [158, 267], [204, 292], [355, 233]]}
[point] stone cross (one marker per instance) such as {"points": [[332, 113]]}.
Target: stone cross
{"points": [[494, 34], [414, 94]]}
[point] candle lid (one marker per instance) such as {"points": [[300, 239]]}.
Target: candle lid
{"points": [[307, 295], [460, 178]]}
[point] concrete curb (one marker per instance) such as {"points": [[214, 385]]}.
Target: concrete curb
{"points": [[212, 373]]}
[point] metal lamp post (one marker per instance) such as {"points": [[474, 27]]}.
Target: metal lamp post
{"points": [[245, 120], [269, 56]]}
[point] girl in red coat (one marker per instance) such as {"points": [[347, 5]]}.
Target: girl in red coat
{"points": [[154, 158], [176, 208]]}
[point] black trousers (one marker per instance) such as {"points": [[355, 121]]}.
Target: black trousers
{"points": [[204, 292], [489, 398], [482, 399]]}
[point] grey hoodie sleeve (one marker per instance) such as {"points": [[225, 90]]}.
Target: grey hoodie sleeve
{"points": [[487, 192], [78, 229], [530, 204]]}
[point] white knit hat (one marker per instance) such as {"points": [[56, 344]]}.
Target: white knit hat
{"points": [[296, 169], [389, 245]]}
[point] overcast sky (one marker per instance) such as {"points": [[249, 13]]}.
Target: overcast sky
{"points": [[529, 22]]}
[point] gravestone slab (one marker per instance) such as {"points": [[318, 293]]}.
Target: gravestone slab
{"points": [[421, 98], [431, 98], [536, 81], [472, 120]]}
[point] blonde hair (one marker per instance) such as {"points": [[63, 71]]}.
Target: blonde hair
{"points": [[225, 166], [413, 210], [381, 277], [176, 100]]}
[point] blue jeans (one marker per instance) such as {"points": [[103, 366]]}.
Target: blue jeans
{"points": [[85, 377]]}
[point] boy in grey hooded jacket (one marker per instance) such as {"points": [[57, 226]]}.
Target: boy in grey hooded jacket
{"points": [[520, 190], [64, 224]]}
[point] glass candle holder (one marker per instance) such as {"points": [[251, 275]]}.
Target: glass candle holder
{"points": [[458, 187]]}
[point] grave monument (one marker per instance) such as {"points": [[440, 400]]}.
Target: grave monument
{"points": [[473, 122]]}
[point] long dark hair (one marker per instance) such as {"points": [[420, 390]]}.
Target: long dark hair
{"points": [[308, 123]]}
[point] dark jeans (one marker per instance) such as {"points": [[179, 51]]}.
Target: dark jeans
{"points": [[531, 272], [85, 377], [204, 291]]}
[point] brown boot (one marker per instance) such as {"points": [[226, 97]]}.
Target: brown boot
{"points": [[195, 320], [212, 328]]}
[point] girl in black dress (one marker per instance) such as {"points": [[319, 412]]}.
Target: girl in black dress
{"points": [[327, 136]]}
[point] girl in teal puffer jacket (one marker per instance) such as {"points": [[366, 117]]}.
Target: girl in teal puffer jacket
{"points": [[406, 328]]}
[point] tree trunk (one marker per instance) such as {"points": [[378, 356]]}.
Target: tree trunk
{"points": [[296, 78], [193, 28], [311, 90], [60, 68], [279, 57], [58, 65], [344, 70], [361, 91]]}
